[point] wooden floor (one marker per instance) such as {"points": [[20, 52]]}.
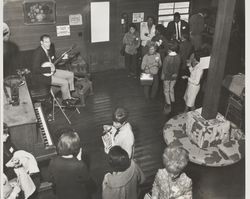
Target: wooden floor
{"points": [[114, 88]]}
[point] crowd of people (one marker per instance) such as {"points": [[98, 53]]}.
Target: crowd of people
{"points": [[168, 54], [69, 173]]}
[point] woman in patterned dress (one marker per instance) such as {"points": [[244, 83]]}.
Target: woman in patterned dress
{"points": [[170, 182]]}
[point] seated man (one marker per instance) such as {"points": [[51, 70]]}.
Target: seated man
{"points": [[44, 72]]}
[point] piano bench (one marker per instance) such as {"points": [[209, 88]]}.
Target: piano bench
{"points": [[38, 94]]}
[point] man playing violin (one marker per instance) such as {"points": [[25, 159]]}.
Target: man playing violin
{"points": [[45, 73]]}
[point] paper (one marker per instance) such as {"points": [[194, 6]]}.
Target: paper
{"points": [[138, 17], [204, 62], [63, 30], [75, 19]]}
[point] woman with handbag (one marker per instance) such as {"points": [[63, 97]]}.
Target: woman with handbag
{"points": [[171, 65], [131, 41], [151, 63]]}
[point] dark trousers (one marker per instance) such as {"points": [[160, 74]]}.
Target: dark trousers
{"points": [[151, 91], [131, 62]]}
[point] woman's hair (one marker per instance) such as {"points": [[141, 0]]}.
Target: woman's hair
{"points": [[69, 143], [120, 115], [151, 44], [118, 159], [160, 28], [175, 159], [132, 25], [173, 46]]}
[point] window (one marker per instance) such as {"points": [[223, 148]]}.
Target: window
{"points": [[167, 10], [99, 21]]}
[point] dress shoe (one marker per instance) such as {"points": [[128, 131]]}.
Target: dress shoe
{"points": [[68, 103], [75, 100]]}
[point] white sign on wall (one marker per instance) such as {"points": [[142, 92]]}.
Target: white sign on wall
{"points": [[100, 21], [75, 19], [63, 30], [138, 17]]}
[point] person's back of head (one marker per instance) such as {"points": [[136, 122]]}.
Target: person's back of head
{"points": [[160, 29], [118, 159], [173, 46], [185, 37], [69, 143]]}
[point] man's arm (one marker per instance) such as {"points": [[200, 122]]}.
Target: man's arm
{"points": [[37, 61]]}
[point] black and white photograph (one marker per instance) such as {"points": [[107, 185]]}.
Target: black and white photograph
{"points": [[123, 99]]}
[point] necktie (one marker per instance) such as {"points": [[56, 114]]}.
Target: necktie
{"points": [[47, 53], [178, 32]]}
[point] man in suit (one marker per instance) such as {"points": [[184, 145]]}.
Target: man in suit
{"points": [[197, 26], [177, 27], [42, 66]]}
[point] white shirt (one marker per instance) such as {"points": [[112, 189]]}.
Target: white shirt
{"points": [[144, 29], [176, 30], [125, 139]]}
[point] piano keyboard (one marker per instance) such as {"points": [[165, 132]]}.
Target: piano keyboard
{"points": [[43, 125]]}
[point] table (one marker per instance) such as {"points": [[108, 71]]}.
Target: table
{"points": [[174, 133]]}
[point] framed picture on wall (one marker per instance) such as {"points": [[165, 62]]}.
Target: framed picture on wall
{"points": [[39, 12]]}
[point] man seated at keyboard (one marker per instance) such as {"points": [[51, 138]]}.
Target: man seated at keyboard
{"points": [[45, 73]]}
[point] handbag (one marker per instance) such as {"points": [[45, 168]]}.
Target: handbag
{"points": [[146, 79], [153, 70], [122, 51]]}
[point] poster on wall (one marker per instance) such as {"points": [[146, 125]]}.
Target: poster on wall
{"points": [[75, 20], [138, 17], [100, 21], [39, 12], [63, 30]]}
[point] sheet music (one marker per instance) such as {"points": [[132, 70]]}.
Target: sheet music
{"points": [[204, 62], [108, 139]]}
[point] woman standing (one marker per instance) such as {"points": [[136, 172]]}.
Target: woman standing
{"points": [[147, 33], [126, 175], [169, 75], [131, 40], [171, 181], [151, 63]]}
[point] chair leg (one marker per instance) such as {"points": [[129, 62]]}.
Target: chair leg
{"points": [[77, 110], [58, 104]]}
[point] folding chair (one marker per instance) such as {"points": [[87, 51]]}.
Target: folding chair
{"points": [[55, 102]]}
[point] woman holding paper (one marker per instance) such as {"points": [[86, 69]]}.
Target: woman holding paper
{"points": [[120, 133], [196, 69]]}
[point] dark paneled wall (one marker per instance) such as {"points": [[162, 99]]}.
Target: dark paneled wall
{"points": [[27, 36], [100, 56]]}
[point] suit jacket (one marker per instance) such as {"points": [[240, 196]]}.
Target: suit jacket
{"points": [[171, 31], [39, 57]]}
